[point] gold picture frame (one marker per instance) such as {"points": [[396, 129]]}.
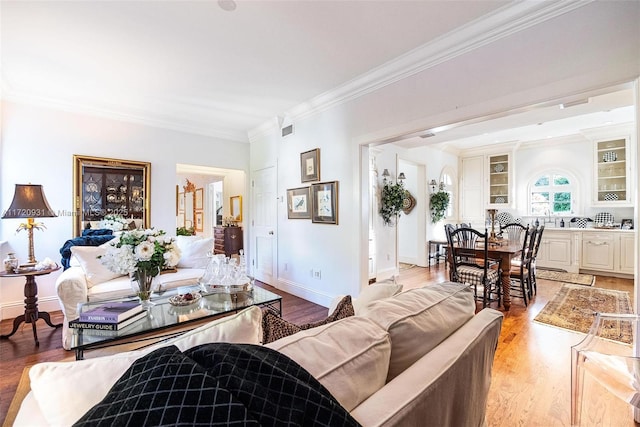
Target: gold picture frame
{"points": [[199, 225], [235, 209], [299, 203], [324, 202], [310, 165], [199, 200], [104, 186]]}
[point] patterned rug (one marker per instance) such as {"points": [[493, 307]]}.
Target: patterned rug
{"points": [[574, 308], [405, 266], [563, 276]]}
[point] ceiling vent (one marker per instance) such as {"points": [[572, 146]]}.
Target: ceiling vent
{"points": [[427, 135], [574, 103], [287, 130]]}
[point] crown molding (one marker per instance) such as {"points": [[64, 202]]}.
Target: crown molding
{"points": [[499, 24], [121, 113]]}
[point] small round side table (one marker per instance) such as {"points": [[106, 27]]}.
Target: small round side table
{"points": [[31, 313]]}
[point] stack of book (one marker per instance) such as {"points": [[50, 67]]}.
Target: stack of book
{"points": [[112, 316]]}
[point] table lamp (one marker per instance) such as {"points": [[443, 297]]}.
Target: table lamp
{"points": [[492, 215], [29, 202]]}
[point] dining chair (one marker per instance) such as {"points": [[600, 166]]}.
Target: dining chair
{"points": [[610, 360], [532, 270], [514, 231], [519, 275], [470, 263]]}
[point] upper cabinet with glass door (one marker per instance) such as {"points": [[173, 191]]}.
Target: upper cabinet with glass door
{"points": [[611, 185], [499, 180]]}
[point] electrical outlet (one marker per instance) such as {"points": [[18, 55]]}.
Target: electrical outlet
{"points": [[388, 257], [317, 274], [286, 266]]}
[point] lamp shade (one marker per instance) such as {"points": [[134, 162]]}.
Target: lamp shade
{"points": [[29, 202]]}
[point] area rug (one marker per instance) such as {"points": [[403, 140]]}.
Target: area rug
{"points": [[406, 266], [574, 308], [563, 276]]}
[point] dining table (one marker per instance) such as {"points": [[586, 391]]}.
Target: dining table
{"points": [[504, 251]]}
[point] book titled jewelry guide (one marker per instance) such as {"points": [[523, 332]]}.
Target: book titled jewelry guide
{"points": [[111, 312], [79, 324]]}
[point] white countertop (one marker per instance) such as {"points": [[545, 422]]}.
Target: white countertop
{"points": [[599, 230]]}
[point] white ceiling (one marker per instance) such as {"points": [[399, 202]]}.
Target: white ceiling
{"points": [[193, 66]]}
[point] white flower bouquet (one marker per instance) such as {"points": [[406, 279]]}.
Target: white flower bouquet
{"points": [[113, 222], [142, 254]]}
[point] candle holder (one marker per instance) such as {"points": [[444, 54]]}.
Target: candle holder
{"points": [[492, 216]]}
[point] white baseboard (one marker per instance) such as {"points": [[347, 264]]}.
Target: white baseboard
{"points": [[305, 293], [13, 309]]}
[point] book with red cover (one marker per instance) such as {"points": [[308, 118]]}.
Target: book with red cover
{"points": [[111, 312]]}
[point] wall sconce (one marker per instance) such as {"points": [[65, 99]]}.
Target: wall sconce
{"points": [[433, 184], [29, 202], [386, 175]]}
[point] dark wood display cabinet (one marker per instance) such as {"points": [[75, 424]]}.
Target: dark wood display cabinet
{"points": [[227, 240]]}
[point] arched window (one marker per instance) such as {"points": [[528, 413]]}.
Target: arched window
{"points": [[447, 177], [552, 193]]}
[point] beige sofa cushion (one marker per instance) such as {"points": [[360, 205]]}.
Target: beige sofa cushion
{"points": [[419, 319], [65, 391], [349, 357], [368, 295]]}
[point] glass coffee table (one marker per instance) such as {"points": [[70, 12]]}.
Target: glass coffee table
{"points": [[164, 318]]}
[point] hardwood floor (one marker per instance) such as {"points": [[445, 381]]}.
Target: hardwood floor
{"points": [[531, 372]]}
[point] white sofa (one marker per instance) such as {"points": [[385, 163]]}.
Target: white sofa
{"points": [[87, 280], [419, 358]]}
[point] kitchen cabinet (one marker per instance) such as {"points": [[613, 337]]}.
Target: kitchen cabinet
{"points": [[626, 254], [472, 207], [598, 251], [499, 185], [611, 172], [556, 251]]}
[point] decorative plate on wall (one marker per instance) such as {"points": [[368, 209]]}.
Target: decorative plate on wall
{"points": [[408, 203]]}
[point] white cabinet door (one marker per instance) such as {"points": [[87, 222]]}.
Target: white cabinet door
{"points": [[627, 253], [499, 183], [598, 251], [472, 203], [556, 250]]}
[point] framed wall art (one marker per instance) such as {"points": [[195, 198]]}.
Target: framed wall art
{"points": [[199, 221], [298, 203], [310, 165], [627, 224], [104, 186], [199, 200], [324, 202]]}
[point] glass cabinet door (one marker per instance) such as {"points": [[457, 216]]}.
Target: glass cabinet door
{"points": [[611, 172], [499, 180]]}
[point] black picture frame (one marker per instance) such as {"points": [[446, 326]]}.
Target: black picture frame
{"points": [[310, 165], [626, 224], [324, 202], [299, 203]]}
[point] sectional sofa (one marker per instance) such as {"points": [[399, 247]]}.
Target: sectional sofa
{"points": [[422, 357]]}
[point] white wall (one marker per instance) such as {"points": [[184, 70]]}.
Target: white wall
{"points": [[37, 147], [567, 55]]}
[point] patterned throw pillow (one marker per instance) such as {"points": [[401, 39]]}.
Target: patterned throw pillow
{"points": [[274, 327]]}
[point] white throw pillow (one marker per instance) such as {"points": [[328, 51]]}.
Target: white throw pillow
{"points": [[350, 357], [420, 319], [194, 252], [368, 295], [93, 268], [65, 391]]}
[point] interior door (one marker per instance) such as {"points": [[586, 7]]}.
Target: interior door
{"points": [[264, 221]]}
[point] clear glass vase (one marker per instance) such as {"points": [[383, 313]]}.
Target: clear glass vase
{"points": [[142, 282]]}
